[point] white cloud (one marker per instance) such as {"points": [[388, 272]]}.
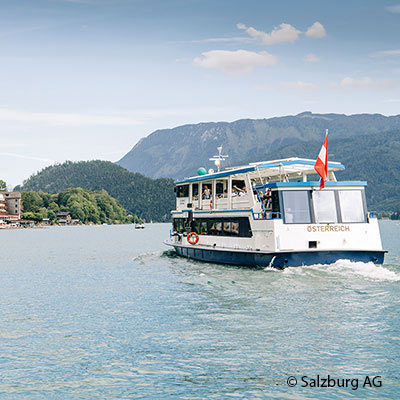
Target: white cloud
{"points": [[299, 85], [385, 53], [394, 9], [280, 34], [312, 58], [283, 33], [364, 83], [235, 62], [316, 31]]}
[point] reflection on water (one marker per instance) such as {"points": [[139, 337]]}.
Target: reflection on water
{"points": [[108, 312]]}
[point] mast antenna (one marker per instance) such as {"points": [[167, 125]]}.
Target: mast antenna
{"points": [[219, 158]]}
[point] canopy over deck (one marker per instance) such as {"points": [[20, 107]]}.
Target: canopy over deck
{"points": [[275, 170]]}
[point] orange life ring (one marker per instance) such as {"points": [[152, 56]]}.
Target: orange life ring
{"points": [[193, 238]]}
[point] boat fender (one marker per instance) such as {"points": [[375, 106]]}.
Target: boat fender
{"points": [[192, 237]]}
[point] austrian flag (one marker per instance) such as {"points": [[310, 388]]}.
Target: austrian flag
{"points": [[321, 165]]}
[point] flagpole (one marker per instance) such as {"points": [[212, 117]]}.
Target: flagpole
{"points": [[321, 164], [327, 175]]}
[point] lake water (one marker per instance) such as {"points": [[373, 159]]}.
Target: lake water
{"points": [[105, 312]]}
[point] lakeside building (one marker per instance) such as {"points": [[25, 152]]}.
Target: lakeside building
{"points": [[63, 218], [14, 203], [10, 208]]}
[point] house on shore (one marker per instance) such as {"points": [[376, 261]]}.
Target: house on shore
{"points": [[10, 208], [26, 223], [63, 218], [14, 202]]}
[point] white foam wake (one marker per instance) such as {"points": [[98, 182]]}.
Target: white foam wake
{"points": [[345, 267]]}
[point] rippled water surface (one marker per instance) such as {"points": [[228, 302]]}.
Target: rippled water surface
{"points": [[107, 313]]}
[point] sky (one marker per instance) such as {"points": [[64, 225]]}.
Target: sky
{"points": [[86, 79]]}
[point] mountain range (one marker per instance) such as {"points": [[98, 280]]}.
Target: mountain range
{"points": [[367, 144], [180, 151]]}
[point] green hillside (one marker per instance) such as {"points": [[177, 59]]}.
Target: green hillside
{"points": [[86, 205], [149, 199]]}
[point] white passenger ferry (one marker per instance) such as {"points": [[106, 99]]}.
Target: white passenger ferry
{"points": [[270, 214]]}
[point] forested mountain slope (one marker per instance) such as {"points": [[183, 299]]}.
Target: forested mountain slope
{"points": [[180, 151], [151, 199]]}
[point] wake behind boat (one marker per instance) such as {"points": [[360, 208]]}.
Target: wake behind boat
{"points": [[269, 214]]}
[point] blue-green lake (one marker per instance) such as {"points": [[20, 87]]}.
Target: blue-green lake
{"points": [[107, 312]]}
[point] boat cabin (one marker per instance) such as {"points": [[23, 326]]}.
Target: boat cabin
{"points": [[277, 189]]}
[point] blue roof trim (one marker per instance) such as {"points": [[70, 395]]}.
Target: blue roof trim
{"points": [[211, 211], [254, 168], [217, 175], [221, 211], [314, 183]]}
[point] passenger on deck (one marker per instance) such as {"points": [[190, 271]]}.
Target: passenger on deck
{"points": [[267, 198], [239, 191], [206, 193]]}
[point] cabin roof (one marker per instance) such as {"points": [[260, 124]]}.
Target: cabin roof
{"points": [[268, 169], [312, 184]]}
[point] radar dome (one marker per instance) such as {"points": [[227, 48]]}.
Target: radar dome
{"points": [[201, 171]]}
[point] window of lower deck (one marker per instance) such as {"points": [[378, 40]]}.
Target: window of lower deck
{"points": [[200, 227], [239, 226], [182, 191], [179, 225], [352, 206], [296, 206], [215, 228], [324, 206]]}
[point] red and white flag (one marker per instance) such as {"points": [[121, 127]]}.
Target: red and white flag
{"points": [[321, 165]]}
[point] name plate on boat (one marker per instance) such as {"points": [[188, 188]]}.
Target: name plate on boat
{"points": [[328, 228]]}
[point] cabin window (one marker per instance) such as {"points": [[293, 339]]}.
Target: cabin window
{"points": [[195, 191], [182, 191], [275, 204], [235, 228], [238, 187], [179, 225], [215, 228], [352, 205], [296, 206], [324, 206], [231, 228], [200, 227], [223, 226], [227, 227], [220, 189]]}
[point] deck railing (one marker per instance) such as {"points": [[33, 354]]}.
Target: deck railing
{"points": [[266, 215]]}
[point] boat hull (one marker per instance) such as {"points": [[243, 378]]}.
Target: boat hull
{"points": [[278, 260]]}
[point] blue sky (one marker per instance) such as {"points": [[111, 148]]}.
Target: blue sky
{"points": [[86, 79]]}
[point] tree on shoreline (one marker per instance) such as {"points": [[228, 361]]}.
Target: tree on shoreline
{"points": [[88, 206]]}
